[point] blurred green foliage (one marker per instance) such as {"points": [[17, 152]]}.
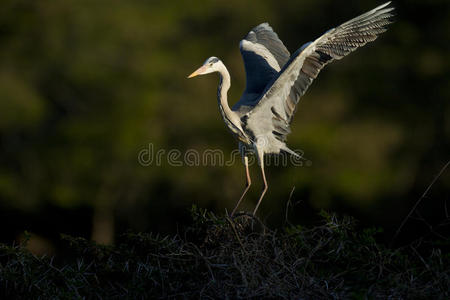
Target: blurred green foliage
{"points": [[86, 85]]}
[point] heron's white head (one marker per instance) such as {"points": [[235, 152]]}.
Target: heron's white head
{"points": [[211, 65]]}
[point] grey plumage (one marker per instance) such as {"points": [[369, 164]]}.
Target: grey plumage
{"points": [[276, 80], [259, 72]]}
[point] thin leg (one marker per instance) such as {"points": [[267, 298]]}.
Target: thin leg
{"points": [[261, 163], [247, 186]]}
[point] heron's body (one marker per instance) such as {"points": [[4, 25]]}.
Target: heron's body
{"points": [[276, 80]]}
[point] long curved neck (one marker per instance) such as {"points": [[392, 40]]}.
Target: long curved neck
{"points": [[230, 117]]}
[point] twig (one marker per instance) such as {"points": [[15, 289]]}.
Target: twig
{"points": [[287, 206], [418, 201], [208, 265], [235, 233], [244, 278]]}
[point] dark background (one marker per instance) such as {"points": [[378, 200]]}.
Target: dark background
{"points": [[85, 86]]}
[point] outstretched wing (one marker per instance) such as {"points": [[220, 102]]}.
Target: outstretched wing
{"points": [[264, 55], [278, 103]]}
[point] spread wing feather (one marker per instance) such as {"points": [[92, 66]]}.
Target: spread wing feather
{"points": [[282, 94], [264, 55]]}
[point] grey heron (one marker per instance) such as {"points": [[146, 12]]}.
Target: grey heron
{"points": [[275, 81]]}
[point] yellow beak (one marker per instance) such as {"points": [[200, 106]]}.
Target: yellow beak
{"points": [[199, 71]]}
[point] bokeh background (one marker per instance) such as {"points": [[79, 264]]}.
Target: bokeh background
{"points": [[85, 86]]}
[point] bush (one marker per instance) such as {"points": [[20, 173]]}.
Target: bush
{"points": [[223, 257]]}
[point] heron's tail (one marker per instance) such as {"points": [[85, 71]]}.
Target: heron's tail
{"points": [[292, 152]]}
